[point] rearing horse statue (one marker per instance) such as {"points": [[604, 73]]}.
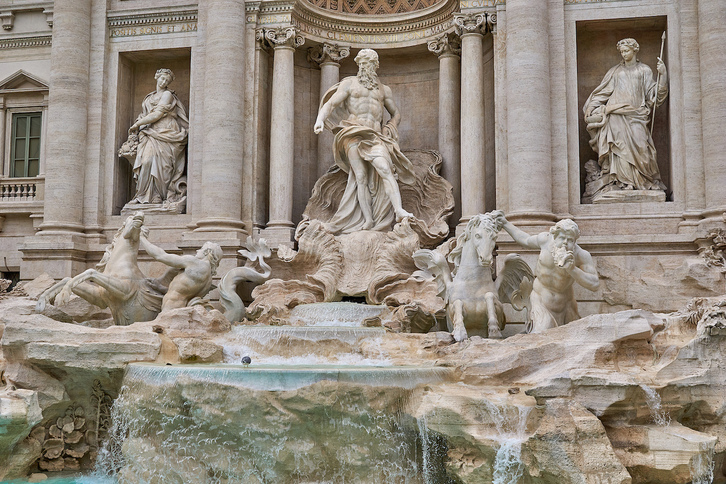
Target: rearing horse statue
{"points": [[117, 282], [473, 298]]}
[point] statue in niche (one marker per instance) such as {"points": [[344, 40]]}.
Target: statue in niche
{"points": [[619, 120], [117, 282], [156, 149], [561, 263], [365, 149], [191, 275]]}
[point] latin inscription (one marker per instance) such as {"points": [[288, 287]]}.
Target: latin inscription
{"points": [[154, 29], [477, 3], [367, 39]]}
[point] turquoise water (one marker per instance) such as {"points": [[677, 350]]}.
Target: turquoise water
{"points": [[68, 480]]}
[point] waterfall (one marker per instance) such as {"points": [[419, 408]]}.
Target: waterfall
{"points": [[511, 426], [657, 413], [702, 467]]}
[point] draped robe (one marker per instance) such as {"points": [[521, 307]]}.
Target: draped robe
{"points": [[625, 148], [370, 144]]}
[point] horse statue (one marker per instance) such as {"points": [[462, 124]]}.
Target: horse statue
{"points": [[234, 308], [473, 298], [117, 282]]}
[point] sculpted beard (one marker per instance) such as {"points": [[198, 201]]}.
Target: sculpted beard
{"points": [[367, 76], [560, 254]]}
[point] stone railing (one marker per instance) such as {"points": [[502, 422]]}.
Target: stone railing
{"points": [[21, 189]]}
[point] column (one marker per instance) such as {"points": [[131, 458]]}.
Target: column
{"points": [[328, 56], [448, 48], [2, 139], [250, 133], [284, 40], [711, 40], [471, 28], [528, 112], [223, 140], [67, 117]]}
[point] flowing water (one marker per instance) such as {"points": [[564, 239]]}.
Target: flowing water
{"points": [[657, 413], [340, 314], [511, 426], [267, 424], [702, 467]]}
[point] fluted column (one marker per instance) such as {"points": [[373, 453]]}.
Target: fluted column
{"points": [[471, 28], [328, 57], [528, 112], [67, 117], [284, 40], [223, 149], [712, 39], [448, 49]]}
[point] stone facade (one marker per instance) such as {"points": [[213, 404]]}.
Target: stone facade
{"points": [[496, 87]]}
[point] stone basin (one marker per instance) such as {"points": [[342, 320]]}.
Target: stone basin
{"points": [[285, 377]]}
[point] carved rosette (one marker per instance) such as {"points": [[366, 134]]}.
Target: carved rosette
{"points": [[471, 23], [281, 37], [322, 53], [447, 44]]}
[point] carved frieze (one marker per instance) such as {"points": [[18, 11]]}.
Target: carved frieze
{"points": [[20, 42], [152, 23], [373, 7]]}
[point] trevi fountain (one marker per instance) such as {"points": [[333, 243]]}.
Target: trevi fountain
{"points": [[405, 242]]}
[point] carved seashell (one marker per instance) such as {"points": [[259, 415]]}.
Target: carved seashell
{"points": [[79, 412], [74, 437], [52, 448], [55, 432], [91, 438], [79, 422], [77, 451], [71, 464], [52, 465], [68, 425], [39, 434]]}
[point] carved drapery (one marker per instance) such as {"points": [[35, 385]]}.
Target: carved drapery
{"points": [[373, 7]]}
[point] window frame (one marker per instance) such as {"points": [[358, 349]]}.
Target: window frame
{"points": [[14, 122]]}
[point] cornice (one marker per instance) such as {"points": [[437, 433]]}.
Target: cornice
{"points": [[135, 18], [30, 41]]}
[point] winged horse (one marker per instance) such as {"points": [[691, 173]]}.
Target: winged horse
{"points": [[473, 298]]}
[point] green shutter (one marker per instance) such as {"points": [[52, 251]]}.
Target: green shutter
{"points": [[25, 145]]}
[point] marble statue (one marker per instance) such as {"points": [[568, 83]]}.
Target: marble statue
{"points": [[366, 149], [156, 148], [561, 263], [473, 299], [116, 283], [234, 308], [618, 114], [192, 274]]}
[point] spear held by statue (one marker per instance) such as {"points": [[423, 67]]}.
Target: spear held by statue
{"points": [[657, 83]]}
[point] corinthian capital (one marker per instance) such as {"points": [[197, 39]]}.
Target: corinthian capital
{"points": [[328, 53], [446, 44], [283, 37], [470, 23]]}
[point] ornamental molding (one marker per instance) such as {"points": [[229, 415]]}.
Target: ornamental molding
{"points": [[374, 31], [284, 37], [327, 52], [144, 17], [447, 44], [22, 42]]}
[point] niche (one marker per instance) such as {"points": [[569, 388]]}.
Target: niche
{"points": [[136, 80], [596, 54]]}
